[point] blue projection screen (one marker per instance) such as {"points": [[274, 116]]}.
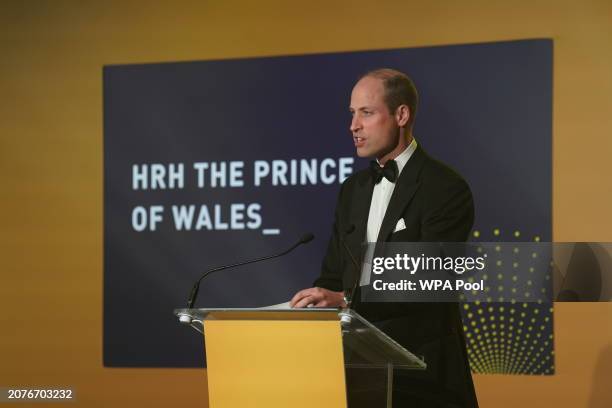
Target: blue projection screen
{"points": [[211, 162]]}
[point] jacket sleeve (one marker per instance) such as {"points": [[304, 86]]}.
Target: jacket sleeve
{"points": [[448, 212], [333, 261]]}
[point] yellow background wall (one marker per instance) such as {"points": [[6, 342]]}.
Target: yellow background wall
{"points": [[51, 58]]}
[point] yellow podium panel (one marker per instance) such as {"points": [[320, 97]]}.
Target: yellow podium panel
{"points": [[269, 364]]}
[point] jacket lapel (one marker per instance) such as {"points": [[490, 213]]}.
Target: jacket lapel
{"points": [[405, 188], [360, 207]]}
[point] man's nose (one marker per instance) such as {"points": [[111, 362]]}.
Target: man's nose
{"points": [[355, 124]]}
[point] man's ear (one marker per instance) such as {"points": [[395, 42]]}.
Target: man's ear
{"points": [[402, 115]]}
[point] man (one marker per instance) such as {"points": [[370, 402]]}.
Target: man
{"points": [[403, 188]]}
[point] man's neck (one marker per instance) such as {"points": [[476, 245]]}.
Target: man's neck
{"points": [[403, 144]]}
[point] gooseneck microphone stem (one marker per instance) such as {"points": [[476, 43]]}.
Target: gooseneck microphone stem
{"points": [[351, 294], [346, 248], [196, 287]]}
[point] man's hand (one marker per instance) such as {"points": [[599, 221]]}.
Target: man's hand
{"points": [[318, 297]]}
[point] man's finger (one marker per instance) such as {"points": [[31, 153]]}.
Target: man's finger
{"points": [[304, 302], [322, 303], [299, 295]]}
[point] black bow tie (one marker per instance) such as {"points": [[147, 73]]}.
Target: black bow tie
{"points": [[389, 171]]}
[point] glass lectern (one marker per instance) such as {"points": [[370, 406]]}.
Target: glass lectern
{"points": [[293, 357]]}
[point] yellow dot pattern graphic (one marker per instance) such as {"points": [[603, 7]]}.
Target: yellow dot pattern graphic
{"points": [[514, 337]]}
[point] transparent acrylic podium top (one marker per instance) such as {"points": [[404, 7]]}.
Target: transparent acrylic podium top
{"points": [[365, 346]]}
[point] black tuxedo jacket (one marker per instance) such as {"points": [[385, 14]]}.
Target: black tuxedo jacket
{"points": [[436, 205]]}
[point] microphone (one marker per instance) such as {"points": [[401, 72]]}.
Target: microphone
{"points": [[349, 298], [306, 238], [349, 231]]}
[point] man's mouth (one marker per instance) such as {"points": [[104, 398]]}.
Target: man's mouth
{"points": [[359, 141]]}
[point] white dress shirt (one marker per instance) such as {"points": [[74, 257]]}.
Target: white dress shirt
{"points": [[378, 207], [382, 195]]}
